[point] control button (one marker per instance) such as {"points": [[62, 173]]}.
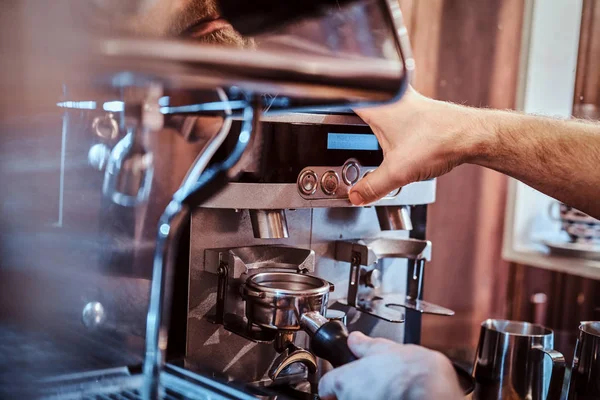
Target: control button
{"points": [[307, 183], [330, 182], [350, 173]]}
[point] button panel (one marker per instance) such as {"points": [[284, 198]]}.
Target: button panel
{"points": [[318, 183]]}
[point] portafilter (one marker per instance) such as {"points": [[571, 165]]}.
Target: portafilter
{"points": [[289, 302]]}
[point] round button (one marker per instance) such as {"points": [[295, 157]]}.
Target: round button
{"points": [[330, 183], [307, 183], [350, 173]]}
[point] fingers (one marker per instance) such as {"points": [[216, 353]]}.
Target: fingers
{"points": [[362, 345], [377, 184], [331, 386]]}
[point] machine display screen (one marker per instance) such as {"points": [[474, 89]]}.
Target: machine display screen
{"points": [[352, 141]]}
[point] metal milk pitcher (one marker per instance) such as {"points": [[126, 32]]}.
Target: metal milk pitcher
{"points": [[516, 360], [585, 374]]}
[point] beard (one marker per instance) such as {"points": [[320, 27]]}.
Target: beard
{"points": [[160, 19], [225, 37]]}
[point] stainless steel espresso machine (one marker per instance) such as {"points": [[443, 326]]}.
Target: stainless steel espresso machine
{"points": [[177, 222], [286, 221]]}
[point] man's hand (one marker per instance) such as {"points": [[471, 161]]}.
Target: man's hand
{"points": [[421, 139], [388, 370]]}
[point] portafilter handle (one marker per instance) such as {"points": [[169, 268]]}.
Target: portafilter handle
{"points": [[328, 339]]}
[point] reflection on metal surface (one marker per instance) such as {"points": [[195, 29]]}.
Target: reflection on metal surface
{"points": [[93, 315], [128, 176], [511, 359], [130, 169], [585, 374], [63, 150], [269, 224], [106, 127], [276, 300], [98, 156], [324, 60]]}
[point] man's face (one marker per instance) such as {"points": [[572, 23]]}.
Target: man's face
{"points": [[198, 19]]}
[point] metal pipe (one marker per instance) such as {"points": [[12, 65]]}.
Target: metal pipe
{"points": [[269, 224], [394, 218], [194, 189]]}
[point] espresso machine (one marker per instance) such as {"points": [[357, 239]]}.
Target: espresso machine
{"points": [[178, 223], [287, 224]]}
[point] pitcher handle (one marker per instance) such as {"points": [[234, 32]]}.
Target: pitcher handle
{"points": [[551, 208], [558, 372]]}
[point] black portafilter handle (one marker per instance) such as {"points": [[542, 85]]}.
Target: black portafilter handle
{"points": [[328, 339]]}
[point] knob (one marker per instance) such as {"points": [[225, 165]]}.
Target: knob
{"points": [[350, 173], [330, 183], [307, 183]]}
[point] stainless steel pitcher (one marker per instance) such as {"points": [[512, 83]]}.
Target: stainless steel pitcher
{"points": [[511, 362], [585, 374]]}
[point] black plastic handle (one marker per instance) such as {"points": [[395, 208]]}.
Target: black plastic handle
{"points": [[330, 342]]}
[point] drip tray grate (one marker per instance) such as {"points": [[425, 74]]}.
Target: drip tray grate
{"points": [[132, 395]]}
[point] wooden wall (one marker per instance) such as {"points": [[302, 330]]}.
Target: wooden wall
{"points": [[566, 300], [466, 52], [587, 85]]}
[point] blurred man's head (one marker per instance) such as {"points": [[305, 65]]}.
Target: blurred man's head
{"points": [[198, 19]]}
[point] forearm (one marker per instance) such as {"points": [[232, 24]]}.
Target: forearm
{"points": [[559, 158]]}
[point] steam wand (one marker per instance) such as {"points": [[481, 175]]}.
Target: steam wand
{"points": [[199, 185]]}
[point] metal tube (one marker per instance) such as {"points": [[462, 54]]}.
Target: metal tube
{"points": [[394, 218], [311, 322], [169, 230], [269, 224]]}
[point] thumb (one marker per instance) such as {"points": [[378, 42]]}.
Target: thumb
{"points": [[362, 345], [377, 184]]}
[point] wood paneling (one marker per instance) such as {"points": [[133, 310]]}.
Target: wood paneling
{"points": [[468, 53], [587, 84], [570, 299]]}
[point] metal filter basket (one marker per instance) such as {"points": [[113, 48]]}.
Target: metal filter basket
{"points": [[277, 300]]}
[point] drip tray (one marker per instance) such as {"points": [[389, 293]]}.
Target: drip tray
{"points": [[120, 384]]}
